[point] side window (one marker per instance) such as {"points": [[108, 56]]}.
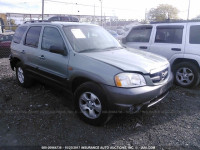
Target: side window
{"points": [[1, 39], [169, 34], [139, 34], [32, 36], [195, 34], [52, 37], [65, 19], [4, 38], [19, 33], [7, 38], [55, 19], [10, 37]]}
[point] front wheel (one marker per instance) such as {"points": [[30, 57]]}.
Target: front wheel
{"points": [[186, 74], [91, 105]]}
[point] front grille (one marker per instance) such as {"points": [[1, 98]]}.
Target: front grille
{"points": [[160, 76]]}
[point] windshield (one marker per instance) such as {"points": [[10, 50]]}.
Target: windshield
{"points": [[90, 38]]}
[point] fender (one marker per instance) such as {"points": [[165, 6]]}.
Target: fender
{"points": [[193, 57], [174, 57]]}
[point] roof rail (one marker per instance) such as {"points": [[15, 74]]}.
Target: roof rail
{"points": [[36, 21], [175, 21]]}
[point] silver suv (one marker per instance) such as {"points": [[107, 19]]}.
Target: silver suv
{"points": [[178, 42], [89, 63]]}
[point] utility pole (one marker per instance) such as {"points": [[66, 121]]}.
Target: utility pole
{"points": [[145, 17], [101, 13], [104, 19], [94, 13], [42, 9], [188, 11]]}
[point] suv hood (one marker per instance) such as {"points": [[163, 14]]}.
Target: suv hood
{"points": [[130, 59]]}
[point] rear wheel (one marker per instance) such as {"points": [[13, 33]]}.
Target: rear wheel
{"points": [[91, 104], [186, 74], [22, 77]]}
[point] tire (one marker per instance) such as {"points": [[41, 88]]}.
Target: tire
{"points": [[186, 74], [22, 77], [89, 97]]}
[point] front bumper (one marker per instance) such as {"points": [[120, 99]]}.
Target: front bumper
{"points": [[134, 99]]}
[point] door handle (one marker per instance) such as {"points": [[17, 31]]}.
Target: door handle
{"points": [[41, 57], [176, 49], [143, 47], [23, 51]]}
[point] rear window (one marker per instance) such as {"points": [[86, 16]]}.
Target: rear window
{"points": [[32, 36], [169, 34], [195, 34], [19, 34]]}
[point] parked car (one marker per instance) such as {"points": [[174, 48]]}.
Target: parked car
{"points": [[178, 42], [5, 41], [64, 18], [120, 31], [113, 33], [90, 63]]}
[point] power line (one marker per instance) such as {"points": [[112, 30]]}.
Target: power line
{"points": [[89, 5], [69, 3]]}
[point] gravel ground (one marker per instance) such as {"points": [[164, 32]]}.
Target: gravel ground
{"points": [[43, 115]]}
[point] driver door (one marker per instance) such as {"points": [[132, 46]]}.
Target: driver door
{"points": [[139, 37], [53, 65]]}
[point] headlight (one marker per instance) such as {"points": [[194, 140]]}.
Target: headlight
{"points": [[129, 80]]}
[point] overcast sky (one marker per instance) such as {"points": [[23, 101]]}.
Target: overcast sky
{"points": [[126, 9]]}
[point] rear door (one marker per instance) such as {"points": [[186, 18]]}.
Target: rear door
{"points": [[168, 40], [139, 37], [30, 47]]}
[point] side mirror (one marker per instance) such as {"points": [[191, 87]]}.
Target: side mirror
{"points": [[124, 40], [57, 50]]}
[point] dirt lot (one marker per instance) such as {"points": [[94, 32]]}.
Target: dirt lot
{"points": [[42, 115]]}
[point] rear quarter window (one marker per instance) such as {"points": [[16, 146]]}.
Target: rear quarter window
{"points": [[19, 34], [195, 34]]}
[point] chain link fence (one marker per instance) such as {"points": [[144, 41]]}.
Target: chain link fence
{"points": [[116, 27]]}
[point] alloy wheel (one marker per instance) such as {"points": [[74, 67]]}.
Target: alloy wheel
{"points": [[90, 105], [184, 76], [20, 75]]}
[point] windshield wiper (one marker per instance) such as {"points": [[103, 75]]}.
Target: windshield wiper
{"points": [[113, 47], [87, 50], [96, 49]]}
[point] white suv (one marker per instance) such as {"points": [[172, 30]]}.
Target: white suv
{"points": [[178, 42]]}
